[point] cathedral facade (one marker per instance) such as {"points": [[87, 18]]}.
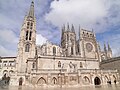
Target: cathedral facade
{"points": [[74, 62]]}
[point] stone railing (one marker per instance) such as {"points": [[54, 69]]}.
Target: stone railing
{"points": [[48, 70], [78, 71], [110, 60], [96, 71]]}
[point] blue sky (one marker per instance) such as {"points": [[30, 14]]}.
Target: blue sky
{"points": [[103, 16]]}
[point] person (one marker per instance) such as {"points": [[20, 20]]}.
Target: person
{"points": [[109, 82], [115, 81]]}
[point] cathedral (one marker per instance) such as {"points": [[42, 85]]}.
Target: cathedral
{"points": [[73, 62]]}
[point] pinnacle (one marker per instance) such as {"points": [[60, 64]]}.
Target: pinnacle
{"points": [[31, 11]]}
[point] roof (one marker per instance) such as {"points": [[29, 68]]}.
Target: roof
{"points": [[111, 60]]}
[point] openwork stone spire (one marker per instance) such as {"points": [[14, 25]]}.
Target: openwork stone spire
{"points": [[109, 49], [105, 49], [31, 11], [73, 29]]}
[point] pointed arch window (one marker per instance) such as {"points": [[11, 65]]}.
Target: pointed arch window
{"points": [[78, 49], [26, 35], [30, 35], [27, 47], [33, 65], [71, 50], [67, 37], [31, 26], [81, 66], [54, 50], [59, 64], [28, 24]]}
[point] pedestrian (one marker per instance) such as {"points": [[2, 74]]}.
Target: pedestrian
{"points": [[115, 81]]}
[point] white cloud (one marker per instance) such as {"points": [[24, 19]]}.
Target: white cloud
{"points": [[84, 12], [8, 43], [88, 13], [40, 39], [8, 36]]}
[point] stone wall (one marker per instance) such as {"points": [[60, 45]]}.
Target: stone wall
{"points": [[81, 78], [113, 63]]}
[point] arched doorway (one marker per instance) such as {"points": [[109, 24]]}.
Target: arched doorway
{"points": [[20, 81], [11, 72], [86, 80], [106, 79], [54, 80], [97, 81], [41, 81], [5, 73]]}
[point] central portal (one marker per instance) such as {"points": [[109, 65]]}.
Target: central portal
{"points": [[97, 81]]}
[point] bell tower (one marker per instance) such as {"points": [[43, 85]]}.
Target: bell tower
{"points": [[27, 41]]}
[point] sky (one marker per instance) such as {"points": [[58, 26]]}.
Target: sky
{"points": [[102, 16]]}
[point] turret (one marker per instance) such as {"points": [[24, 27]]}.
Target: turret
{"points": [[68, 27], [73, 29], [109, 49], [105, 51], [109, 52]]}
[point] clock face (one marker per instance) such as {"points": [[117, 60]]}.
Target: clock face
{"points": [[89, 47]]}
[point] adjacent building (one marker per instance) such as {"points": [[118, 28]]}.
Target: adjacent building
{"points": [[112, 63]]}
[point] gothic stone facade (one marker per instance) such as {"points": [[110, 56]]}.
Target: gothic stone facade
{"points": [[74, 62]]}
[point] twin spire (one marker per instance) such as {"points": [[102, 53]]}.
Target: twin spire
{"points": [[68, 28], [31, 11], [105, 49]]}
